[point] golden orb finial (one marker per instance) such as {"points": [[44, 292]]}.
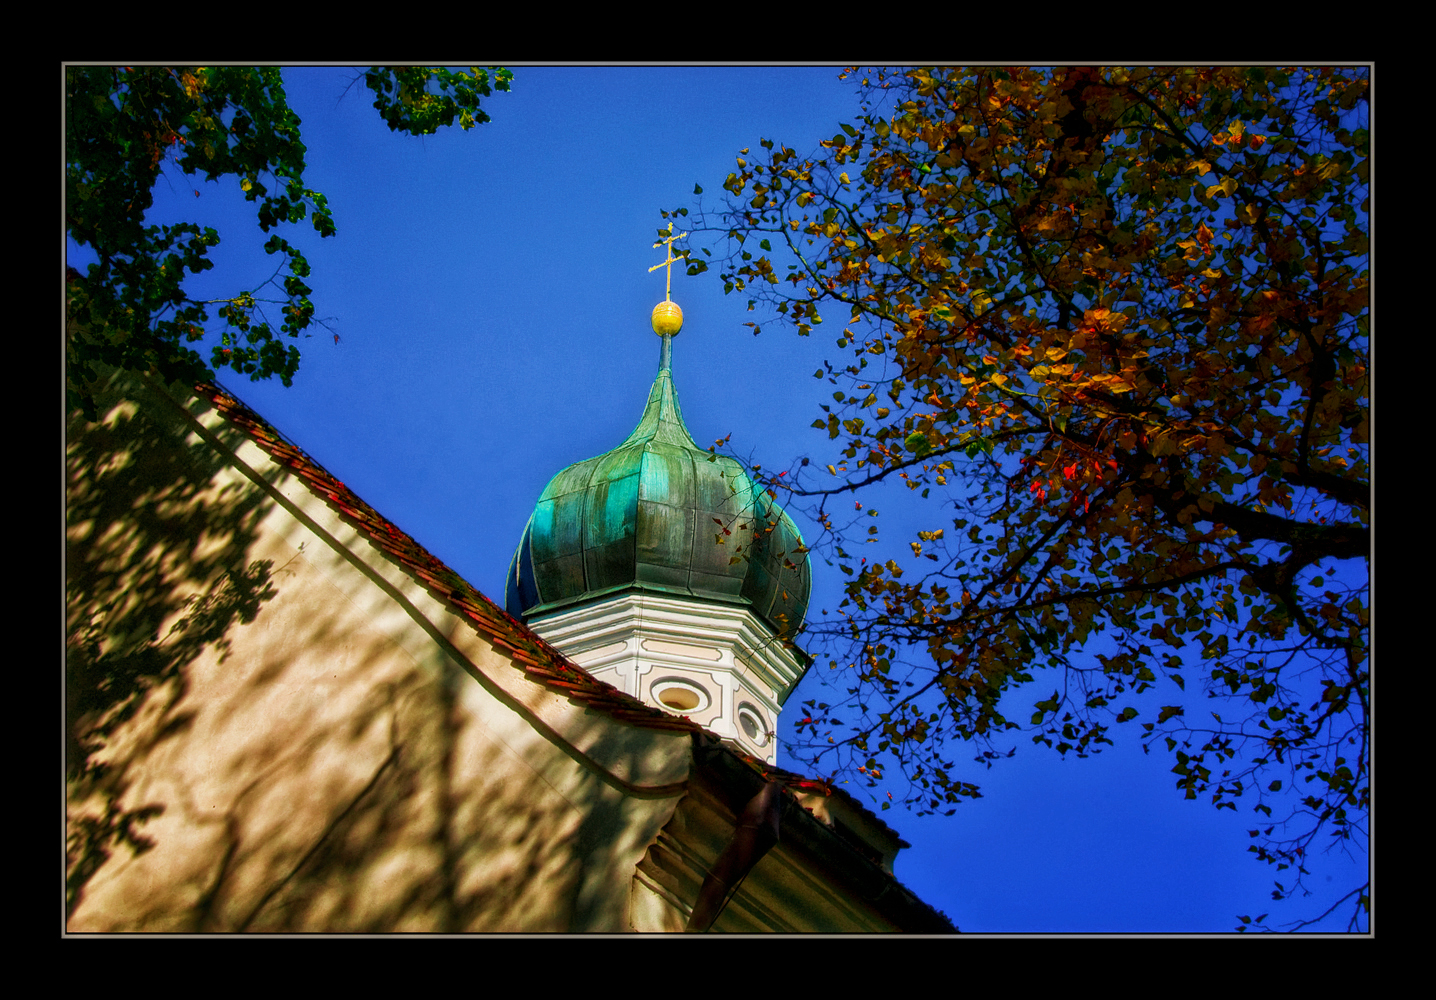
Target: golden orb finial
{"points": [[667, 318]]}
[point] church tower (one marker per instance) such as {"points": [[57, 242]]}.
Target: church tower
{"points": [[663, 569]]}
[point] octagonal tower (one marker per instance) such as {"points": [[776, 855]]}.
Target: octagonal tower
{"points": [[665, 570]]}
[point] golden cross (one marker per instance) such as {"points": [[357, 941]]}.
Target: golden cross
{"points": [[668, 290]]}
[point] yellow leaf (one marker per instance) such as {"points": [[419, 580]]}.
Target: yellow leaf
{"points": [[1225, 188]]}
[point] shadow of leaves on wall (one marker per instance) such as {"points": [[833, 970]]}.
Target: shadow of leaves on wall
{"points": [[155, 572]]}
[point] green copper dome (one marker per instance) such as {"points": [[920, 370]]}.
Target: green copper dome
{"points": [[660, 514]]}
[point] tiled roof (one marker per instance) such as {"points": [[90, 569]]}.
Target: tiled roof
{"points": [[538, 660], [531, 653]]}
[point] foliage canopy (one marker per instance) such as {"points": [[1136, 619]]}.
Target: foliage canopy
{"points": [[1117, 320], [124, 127]]}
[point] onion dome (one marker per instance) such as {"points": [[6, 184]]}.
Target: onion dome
{"points": [[660, 514]]}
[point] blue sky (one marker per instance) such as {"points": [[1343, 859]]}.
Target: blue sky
{"points": [[490, 292]]}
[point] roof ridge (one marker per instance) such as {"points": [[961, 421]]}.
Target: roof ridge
{"points": [[531, 653], [536, 657]]}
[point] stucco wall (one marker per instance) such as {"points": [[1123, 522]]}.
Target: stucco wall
{"points": [[273, 726]]}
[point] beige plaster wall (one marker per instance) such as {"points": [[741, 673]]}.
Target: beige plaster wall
{"points": [[273, 727]]}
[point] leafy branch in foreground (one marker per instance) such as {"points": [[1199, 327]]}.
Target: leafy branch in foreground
{"points": [[124, 127], [1115, 319]]}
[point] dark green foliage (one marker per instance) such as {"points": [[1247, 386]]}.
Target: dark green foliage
{"points": [[124, 126]]}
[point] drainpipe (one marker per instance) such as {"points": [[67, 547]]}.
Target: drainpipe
{"points": [[756, 833]]}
